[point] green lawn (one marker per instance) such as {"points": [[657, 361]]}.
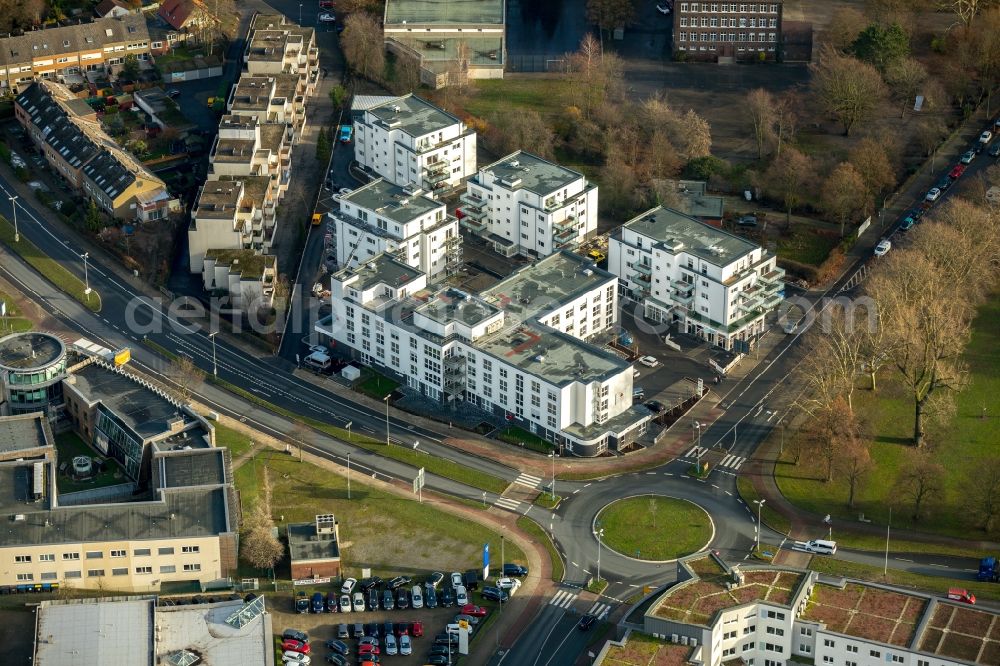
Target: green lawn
{"points": [[521, 437], [12, 322], [768, 515], [545, 500], [234, 440], [377, 529], [935, 584], [541, 536], [653, 527], [55, 272], [960, 448], [68, 445], [806, 246], [375, 385], [545, 95]]}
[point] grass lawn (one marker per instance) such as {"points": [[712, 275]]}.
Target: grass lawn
{"points": [[12, 322], [806, 246], [235, 441], [377, 529], [541, 536], [375, 385], [68, 445], [960, 448], [545, 501], [935, 584], [547, 96], [521, 437], [652, 527], [768, 516], [52, 270]]}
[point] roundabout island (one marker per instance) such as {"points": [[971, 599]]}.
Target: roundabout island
{"points": [[654, 528]]}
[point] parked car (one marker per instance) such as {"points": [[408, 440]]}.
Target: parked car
{"points": [[294, 635], [968, 156], [473, 610], [417, 597], [883, 247], [957, 171], [405, 646], [510, 569], [959, 594], [295, 646], [326, 17], [933, 194], [435, 579], [446, 599], [318, 604], [943, 184], [371, 632], [301, 603], [430, 597], [373, 597], [986, 137], [342, 631], [509, 585], [339, 647], [995, 150], [398, 582], [348, 586], [292, 657], [649, 361], [388, 603], [345, 603], [391, 647], [326, 4], [494, 594], [402, 599], [368, 648], [346, 133], [462, 617], [907, 224], [471, 579], [456, 579], [438, 660], [748, 221], [336, 659], [358, 630], [461, 595], [359, 602], [373, 581], [655, 406], [332, 602]]}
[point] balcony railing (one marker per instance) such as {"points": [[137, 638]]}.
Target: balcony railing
{"points": [[473, 224], [566, 235], [475, 213], [642, 268], [471, 201], [436, 177]]}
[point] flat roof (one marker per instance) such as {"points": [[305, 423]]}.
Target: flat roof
{"points": [[546, 284], [203, 630], [530, 172], [867, 612], [959, 632], [415, 116], [381, 268], [305, 544], [218, 200], [449, 304], [439, 52], [30, 351], [392, 201], [83, 634], [448, 12], [247, 263], [234, 150], [22, 433], [671, 227], [205, 467]]}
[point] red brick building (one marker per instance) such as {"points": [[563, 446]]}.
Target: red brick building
{"points": [[727, 31], [314, 548]]}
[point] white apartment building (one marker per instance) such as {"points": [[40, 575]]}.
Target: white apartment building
{"points": [[222, 219], [247, 277], [530, 206], [408, 140], [772, 616], [278, 46], [403, 221], [518, 351], [710, 283]]}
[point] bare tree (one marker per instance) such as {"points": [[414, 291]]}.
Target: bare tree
{"points": [[854, 461], [984, 487], [597, 74], [871, 159], [846, 88], [513, 131], [760, 106], [258, 545], [185, 375], [832, 429], [846, 23], [653, 506], [786, 119], [789, 177], [839, 193], [363, 45], [963, 251], [905, 79], [610, 14], [919, 481], [931, 130], [966, 10]]}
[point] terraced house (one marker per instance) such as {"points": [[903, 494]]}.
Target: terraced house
{"points": [[54, 53], [67, 133]]}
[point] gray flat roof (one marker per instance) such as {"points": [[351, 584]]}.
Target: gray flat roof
{"points": [[305, 544], [450, 12], [194, 468], [534, 174], [631, 417], [392, 201], [709, 243], [450, 304], [203, 631], [22, 433], [546, 284], [438, 52], [381, 268], [416, 116], [28, 351], [84, 634]]}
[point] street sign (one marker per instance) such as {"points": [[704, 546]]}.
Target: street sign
{"points": [[311, 581], [418, 484]]}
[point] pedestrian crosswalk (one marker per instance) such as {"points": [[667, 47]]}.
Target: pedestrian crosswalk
{"points": [[696, 451], [528, 480], [506, 503], [564, 599], [599, 610], [731, 460]]}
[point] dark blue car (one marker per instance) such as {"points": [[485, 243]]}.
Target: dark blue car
{"points": [[317, 602]]}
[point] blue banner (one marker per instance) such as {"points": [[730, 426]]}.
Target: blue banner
{"points": [[486, 555]]}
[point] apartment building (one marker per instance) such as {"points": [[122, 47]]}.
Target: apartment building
{"points": [[408, 140], [402, 221], [705, 281], [770, 616], [277, 46], [727, 31], [54, 53], [223, 218], [518, 351], [67, 133], [529, 206], [247, 277], [269, 99]]}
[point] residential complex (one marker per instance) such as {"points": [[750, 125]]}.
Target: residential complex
{"points": [[56, 53], [409, 141], [518, 350], [403, 221], [727, 31], [706, 281], [66, 131], [529, 206], [139, 631], [168, 514], [768, 616]]}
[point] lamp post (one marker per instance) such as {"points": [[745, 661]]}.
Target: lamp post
{"points": [[348, 476], [484, 499], [86, 275], [553, 457], [215, 365], [781, 426], [386, 400], [300, 13], [697, 427], [13, 205], [348, 426], [600, 535], [760, 505]]}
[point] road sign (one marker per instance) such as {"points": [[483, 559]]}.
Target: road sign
{"points": [[418, 484]]}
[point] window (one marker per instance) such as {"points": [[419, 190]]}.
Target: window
{"points": [[142, 552], [896, 658], [804, 648], [119, 572], [22, 559], [95, 555], [192, 567], [71, 556], [73, 574], [144, 570], [47, 558], [775, 615], [169, 550], [118, 553], [828, 643], [775, 631], [95, 573], [190, 549], [852, 649], [25, 576], [805, 631], [827, 659], [877, 654], [169, 568]]}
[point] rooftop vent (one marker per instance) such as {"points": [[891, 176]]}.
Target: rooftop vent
{"points": [[514, 164], [540, 358]]}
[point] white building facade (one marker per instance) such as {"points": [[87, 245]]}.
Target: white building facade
{"points": [[402, 221], [517, 351], [529, 206], [706, 281], [408, 140]]}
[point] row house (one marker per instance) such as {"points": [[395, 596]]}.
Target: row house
{"points": [[529, 206], [224, 217], [518, 351], [54, 53]]}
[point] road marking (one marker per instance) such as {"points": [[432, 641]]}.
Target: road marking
{"points": [[715, 486], [576, 491], [528, 480], [600, 610], [695, 451], [588, 485], [575, 564], [902, 559], [650, 473], [728, 493], [509, 504], [634, 585], [563, 599]]}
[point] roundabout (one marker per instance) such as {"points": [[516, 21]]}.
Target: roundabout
{"points": [[654, 528]]}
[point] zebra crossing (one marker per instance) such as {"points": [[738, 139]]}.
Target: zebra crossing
{"points": [[599, 610], [528, 480], [564, 599], [732, 461], [507, 503]]}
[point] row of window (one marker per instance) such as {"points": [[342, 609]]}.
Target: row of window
{"points": [[98, 554], [727, 7], [97, 573], [712, 22], [728, 37]]}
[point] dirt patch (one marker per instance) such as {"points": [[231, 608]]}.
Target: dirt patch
{"points": [[961, 647], [974, 623], [870, 626], [846, 598], [931, 640]]}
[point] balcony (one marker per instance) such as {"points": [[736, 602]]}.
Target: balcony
{"points": [[475, 213], [642, 268], [565, 235], [454, 384], [568, 223], [452, 242], [471, 201], [477, 226], [435, 177], [638, 276], [682, 296]]}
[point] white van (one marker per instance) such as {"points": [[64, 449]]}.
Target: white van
{"points": [[820, 547], [318, 361]]}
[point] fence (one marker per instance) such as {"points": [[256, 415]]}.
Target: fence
{"points": [[536, 63], [98, 495]]}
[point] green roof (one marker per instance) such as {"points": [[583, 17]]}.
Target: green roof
{"points": [[247, 263]]}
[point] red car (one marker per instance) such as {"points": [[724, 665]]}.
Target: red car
{"points": [[368, 648], [473, 610], [402, 628], [417, 629], [957, 172], [295, 646]]}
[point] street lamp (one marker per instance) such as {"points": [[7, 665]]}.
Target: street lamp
{"points": [[386, 400], [600, 535], [553, 457], [215, 365], [760, 505], [300, 13], [348, 476], [13, 205], [86, 275], [697, 426], [781, 427], [484, 499]]}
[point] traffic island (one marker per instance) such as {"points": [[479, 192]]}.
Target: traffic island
{"points": [[654, 528]]}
